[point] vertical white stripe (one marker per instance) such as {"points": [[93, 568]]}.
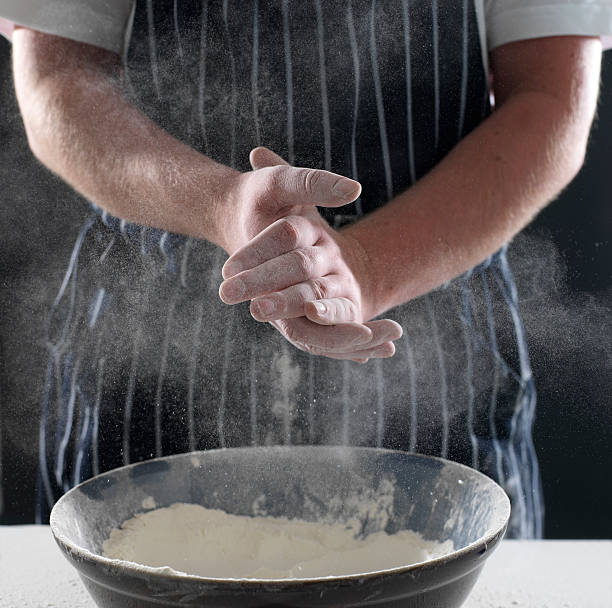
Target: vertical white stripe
{"points": [[161, 377], [42, 435], [255, 71], [234, 85], [464, 70], [436, 70], [408, 76], [193, 366], [413, 396], [129, 398], [495, 386], [202, 76], [153, 48], [346, 415], [177, 33], [287, 397], [95, 454], [526, 409], [143, 239], [380, 403], [76, 473], [481, 20], [435, 335], [468, 329], [87, 418], [70, 277], [323, 81], [215, 271], [253, 393], [97, 306], [227, 350], [184, 261], [357, 80], [311, 399], [380, 109], [61, 451], [289, 80]]}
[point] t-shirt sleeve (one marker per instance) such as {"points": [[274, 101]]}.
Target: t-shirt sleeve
{"points": [[103, 23], [512, 20]]}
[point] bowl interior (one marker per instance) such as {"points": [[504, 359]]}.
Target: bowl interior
{"points": [[382, 489]]}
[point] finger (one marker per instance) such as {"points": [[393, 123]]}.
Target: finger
{"points": [[332, 311], [261, 157], [325, 188], [383, 351], [286, 186], [275, 275], [383, 332], [289, 303], [317, 339], [286, 234]]}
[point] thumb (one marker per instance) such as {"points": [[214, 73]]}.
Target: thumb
{"points": [[264, 157], [302, 186]]}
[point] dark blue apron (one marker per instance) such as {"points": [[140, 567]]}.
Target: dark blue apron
{"points": [[145, 360]]}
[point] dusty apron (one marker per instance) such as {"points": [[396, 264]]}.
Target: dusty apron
{"points": [[145, 360]]}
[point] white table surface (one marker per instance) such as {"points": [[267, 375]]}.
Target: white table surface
{"points": [[520, 574]]}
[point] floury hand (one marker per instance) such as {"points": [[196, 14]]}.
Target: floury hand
{"points": [[309, 281]]}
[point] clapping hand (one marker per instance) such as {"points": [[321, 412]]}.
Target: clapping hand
{"points": [[311, 282]]}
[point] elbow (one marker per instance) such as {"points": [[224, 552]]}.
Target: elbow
{"points": [[573, 153], [42, 111], [38, 139], [574, 159]]}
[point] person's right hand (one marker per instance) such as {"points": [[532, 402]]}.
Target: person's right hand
{"points": [[338, 336]]}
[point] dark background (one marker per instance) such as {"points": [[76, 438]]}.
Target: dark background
{"points": [[563, 266]]}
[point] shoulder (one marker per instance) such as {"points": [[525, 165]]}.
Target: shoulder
{"points": [[513, 20], [103, 24]]}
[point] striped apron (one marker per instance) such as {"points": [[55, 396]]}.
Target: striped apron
{"points": [[145, 360]]}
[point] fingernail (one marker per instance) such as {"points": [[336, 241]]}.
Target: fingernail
{"points": [[266, 307], [320, 308], [230, 269], [234, 290], [345, 187]]}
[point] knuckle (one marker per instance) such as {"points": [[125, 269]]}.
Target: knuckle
{"points": [[310, 180], [320, 288], [289, 232], [275, 179], [304, 262], [344, 308]]}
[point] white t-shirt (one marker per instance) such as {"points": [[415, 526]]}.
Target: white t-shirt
{"points": [[108, 23]]}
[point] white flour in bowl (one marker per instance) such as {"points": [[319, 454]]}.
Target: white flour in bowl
{"points": [[191, 539]]}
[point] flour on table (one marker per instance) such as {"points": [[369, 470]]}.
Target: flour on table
{"points": [[207, 542]]}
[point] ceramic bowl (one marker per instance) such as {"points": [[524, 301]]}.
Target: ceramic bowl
{"points": [[439, 499]]}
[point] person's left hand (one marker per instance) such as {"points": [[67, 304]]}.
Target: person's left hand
{"points": [[312, 283]]}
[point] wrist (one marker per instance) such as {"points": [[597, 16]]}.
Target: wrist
{"points": [[209, 200], [362, 265]]}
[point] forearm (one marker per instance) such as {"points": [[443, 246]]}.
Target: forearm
{"points": [[484, 192], [81, 126]]}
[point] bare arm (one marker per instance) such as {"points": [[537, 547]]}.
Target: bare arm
{"points": [[475, 200], [494, 181], [81, 127]]}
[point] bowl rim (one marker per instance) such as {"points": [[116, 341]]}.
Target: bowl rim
{"points": [[494, 534]]}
